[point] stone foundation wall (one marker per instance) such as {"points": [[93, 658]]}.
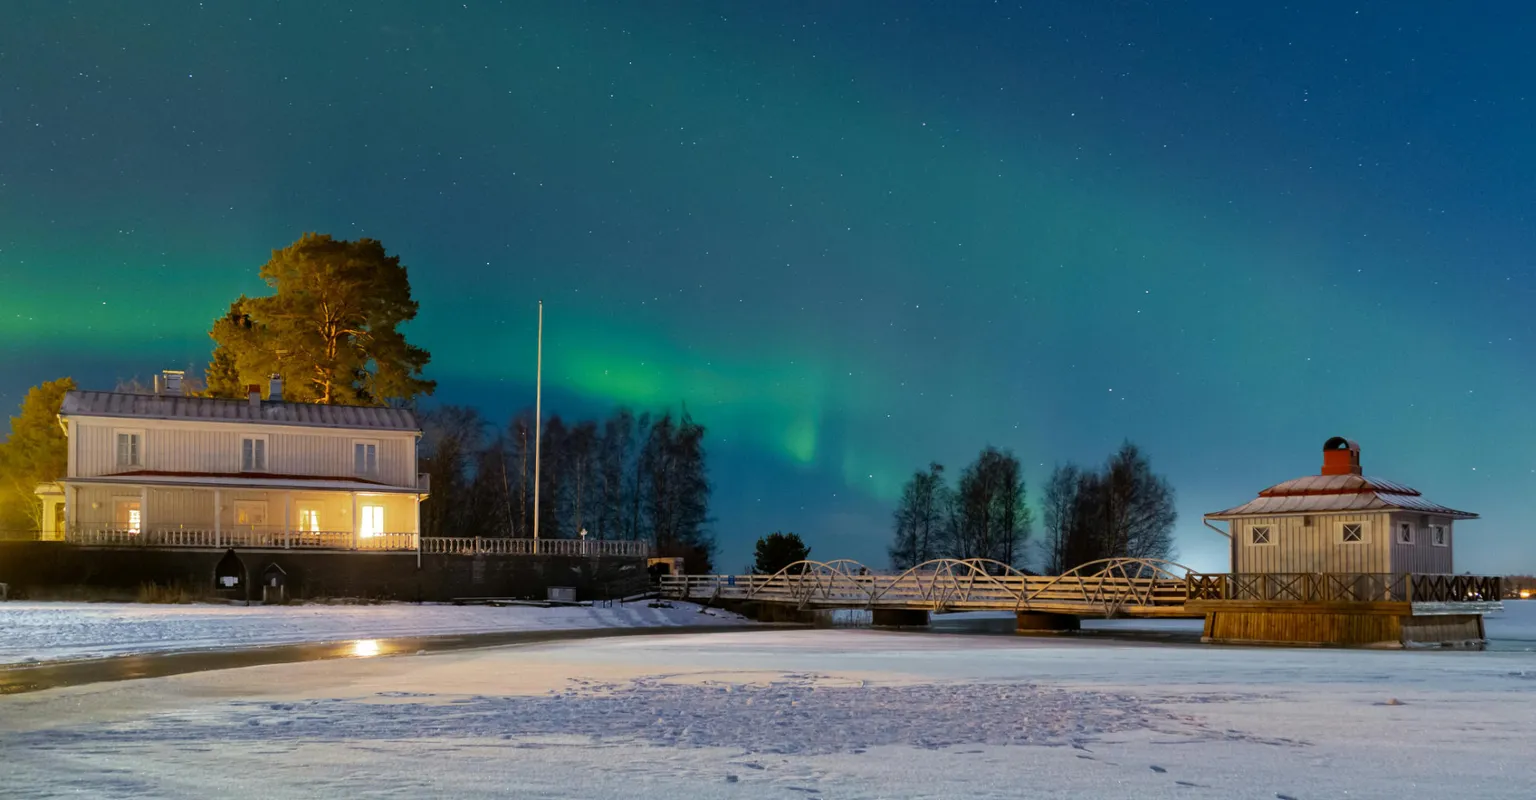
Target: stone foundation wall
{"points": [[42, 569]]}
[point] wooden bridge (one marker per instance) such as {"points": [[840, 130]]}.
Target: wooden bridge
{"points": [[1113, 587], [1116, 587]]}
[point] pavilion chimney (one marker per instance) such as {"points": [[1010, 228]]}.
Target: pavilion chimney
{"points": [[253, 391], [1341, 457], [275, 394]]}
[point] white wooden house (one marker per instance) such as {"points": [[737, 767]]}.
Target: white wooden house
{"points": [[1340, 521], [169, 469]]}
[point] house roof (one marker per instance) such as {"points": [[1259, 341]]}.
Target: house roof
{"points": [[207, 409], [1313, 494]]}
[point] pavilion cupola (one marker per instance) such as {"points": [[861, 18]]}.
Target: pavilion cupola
{"points": [[1341, 457]]}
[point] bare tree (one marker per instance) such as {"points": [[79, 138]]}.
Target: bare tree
{"points": [[450, 444], [1139, 512], [1058, 507], [921, 519], [993, 520]]}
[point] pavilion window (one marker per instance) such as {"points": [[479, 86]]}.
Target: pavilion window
{"points": [[1352, 533]]}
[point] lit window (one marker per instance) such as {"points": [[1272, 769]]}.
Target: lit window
{"points": [[1261, 534], [128, 516], [309, 520], [1438, 536], [253, 454], [365, 458], [372, 522], [129, 449], [1405, 533], [1352, 533], [251, 513]]}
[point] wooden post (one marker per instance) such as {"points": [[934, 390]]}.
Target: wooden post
{"points": [[287, 518], [143, 513], [218, 518], [357, 524]]}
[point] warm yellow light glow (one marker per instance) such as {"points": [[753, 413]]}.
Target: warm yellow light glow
{"points": [[364, 648], [1525, 594]]}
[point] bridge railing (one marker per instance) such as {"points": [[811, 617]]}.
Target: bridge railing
{"points": [[1353, 587], [957, 589], [938, 589]]}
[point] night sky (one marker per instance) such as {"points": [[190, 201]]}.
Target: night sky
{"points": [[851, 237]]}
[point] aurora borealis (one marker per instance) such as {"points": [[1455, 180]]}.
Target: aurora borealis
{"points": [[852, 237]]}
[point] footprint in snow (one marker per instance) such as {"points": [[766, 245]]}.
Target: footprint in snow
{"points": [[1158, 770], [1279, 796]]}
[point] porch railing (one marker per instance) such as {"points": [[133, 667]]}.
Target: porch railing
{"points": [[240, 537], [1360, 587], [280, 539]]}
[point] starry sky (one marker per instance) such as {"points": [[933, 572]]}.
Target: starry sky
{"points": [[852, 237]]}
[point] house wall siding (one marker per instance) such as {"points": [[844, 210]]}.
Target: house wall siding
{"points": [[168, 508], [215, 447], [1422, 556], [1300, 548]]}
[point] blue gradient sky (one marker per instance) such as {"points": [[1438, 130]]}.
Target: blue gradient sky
{"points": [[852, 237]]}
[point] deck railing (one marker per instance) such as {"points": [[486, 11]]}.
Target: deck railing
{"points": [[497, 546], [281, 539], [273, 538], [1357, 587]]}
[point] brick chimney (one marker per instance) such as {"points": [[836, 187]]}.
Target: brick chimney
{"points": [[253, 391], [1341, 457]]}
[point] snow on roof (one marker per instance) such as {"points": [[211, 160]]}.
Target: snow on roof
{"points": [[150, 406], [1338, 493]]}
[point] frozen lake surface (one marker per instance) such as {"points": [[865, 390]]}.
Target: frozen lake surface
{"points": [[37, 632], [839, 713]]}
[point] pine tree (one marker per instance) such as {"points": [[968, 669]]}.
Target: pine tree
{"points": [[776, 551], [330, 328], [35, 452]]}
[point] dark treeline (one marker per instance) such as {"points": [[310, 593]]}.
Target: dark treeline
{"points": [[1122, 509], [984, 516], [1119, 510], [627, 477]]}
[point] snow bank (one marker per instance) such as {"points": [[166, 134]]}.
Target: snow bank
{"points": [[33, 632]]}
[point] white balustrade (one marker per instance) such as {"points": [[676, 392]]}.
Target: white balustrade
{"points": [[389, 541]]}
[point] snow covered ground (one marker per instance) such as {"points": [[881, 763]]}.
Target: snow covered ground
{"points": [[33, 632], [802, 714]]}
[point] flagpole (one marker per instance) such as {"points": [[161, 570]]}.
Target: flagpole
{"points": [[538, 425]]}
